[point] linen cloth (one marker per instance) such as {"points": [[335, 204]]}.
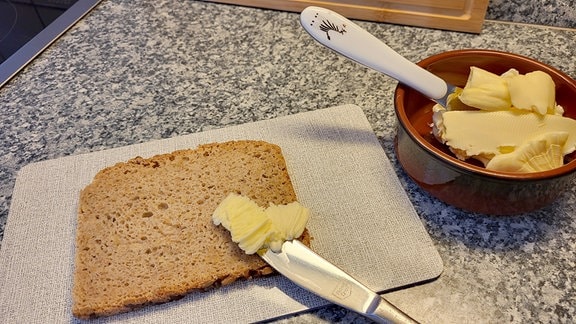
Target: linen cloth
{"points": [[362, 221]]}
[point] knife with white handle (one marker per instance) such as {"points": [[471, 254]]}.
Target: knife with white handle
{"points": [[312, 272], [347, 38]]}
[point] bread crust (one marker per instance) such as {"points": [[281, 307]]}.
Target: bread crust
{"points": [[145, 233]]}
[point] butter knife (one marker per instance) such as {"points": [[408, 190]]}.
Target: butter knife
{"points": [[347, 38], [312, 272]]}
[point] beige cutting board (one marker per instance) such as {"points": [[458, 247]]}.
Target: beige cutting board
{"points": [[362, 220]]}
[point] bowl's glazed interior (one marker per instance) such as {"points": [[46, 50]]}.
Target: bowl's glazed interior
{"points": [[414, 113]]}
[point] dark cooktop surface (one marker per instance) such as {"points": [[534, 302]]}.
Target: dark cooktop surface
{"points": [[27, 27], [21, 20]]}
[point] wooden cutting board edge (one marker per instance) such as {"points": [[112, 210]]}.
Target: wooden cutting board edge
{"points": [[454, 15]]}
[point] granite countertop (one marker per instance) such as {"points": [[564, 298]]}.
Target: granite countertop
{"points": [[132, 72], [559, 13]]}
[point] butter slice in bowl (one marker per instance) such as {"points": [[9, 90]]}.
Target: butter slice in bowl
{"points": [[254, 227], [543, 153], [512, 118], [484, 135]]}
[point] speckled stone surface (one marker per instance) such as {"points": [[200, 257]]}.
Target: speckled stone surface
{"points": [[131, 72], [559, 13]]}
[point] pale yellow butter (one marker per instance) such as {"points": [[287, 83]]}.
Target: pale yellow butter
{"points": [[540, 154], [485, 90], [509, 122], [254, 227], [485, 134], [534, 91]]}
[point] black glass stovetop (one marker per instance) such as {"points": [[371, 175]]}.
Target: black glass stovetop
{"points": [[27, 27]]}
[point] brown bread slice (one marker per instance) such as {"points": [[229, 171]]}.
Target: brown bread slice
{"points": [[145, 233]]}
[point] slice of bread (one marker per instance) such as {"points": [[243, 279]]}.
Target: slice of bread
{"points": [[145, 233]]}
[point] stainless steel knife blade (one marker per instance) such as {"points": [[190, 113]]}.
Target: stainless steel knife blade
{"points": [[312, 272]]}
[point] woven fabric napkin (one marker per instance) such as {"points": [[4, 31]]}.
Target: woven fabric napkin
{"points": [[362, 221]]}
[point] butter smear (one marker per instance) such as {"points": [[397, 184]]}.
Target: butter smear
{"points": [[254, 227], [509, 122]]}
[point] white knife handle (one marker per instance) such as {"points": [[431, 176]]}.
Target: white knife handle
{"points": [[345, 37]]}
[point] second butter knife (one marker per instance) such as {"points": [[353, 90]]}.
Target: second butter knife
{"points": [[312, 272], [347, 38]]}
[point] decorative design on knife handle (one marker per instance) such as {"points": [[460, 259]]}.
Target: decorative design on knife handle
{"points": [[327, 26]]}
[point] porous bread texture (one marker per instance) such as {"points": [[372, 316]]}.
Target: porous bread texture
{"points": [[145, 233]]}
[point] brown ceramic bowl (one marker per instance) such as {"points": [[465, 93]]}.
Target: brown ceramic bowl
{"points": [[464, 184]]}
